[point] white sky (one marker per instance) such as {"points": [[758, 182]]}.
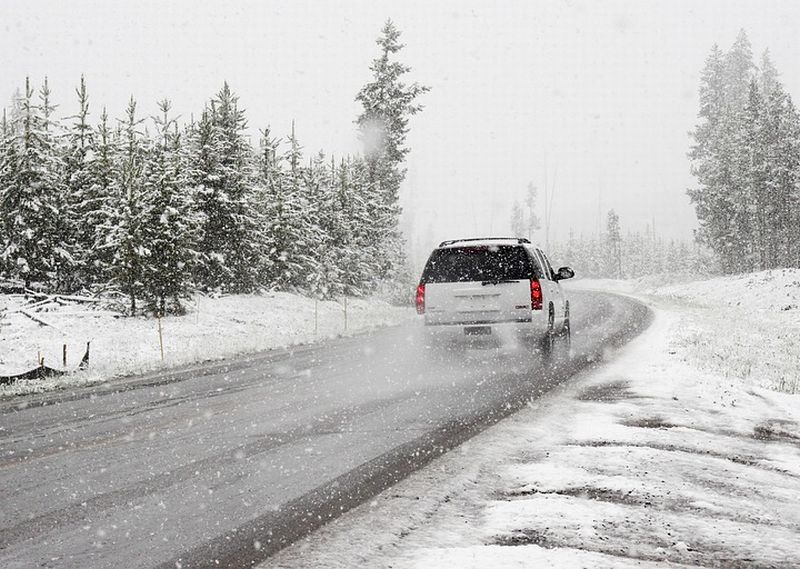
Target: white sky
{"points": [[604, 92]]}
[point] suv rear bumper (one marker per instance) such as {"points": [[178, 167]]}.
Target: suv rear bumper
{"points": [[467, 332]]}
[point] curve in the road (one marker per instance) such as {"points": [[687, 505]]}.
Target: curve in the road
{"points": [[222, 467]]}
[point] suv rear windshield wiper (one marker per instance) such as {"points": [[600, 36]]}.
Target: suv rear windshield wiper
{"points": [[497, 282]]}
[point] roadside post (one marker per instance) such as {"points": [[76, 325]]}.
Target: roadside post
{"points": [[160, 337]]}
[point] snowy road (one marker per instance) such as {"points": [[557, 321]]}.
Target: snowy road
{"points": [[221, 465]]}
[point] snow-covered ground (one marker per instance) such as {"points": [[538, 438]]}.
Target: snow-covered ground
{"points": [[212, 329], [656, 459], [744, 327]]}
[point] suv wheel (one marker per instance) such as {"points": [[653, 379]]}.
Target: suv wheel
{"points": [[549, 340], [567, 331]]}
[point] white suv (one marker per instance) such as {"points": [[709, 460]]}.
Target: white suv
{"points": [[493, 287]]}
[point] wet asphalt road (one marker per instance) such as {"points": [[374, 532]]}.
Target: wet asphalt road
{"points": [[223, 464]]}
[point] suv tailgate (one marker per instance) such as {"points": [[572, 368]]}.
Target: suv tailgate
{"points": [[478, 303]]}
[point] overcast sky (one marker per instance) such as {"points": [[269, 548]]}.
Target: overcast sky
{"points": [[599, 96]]}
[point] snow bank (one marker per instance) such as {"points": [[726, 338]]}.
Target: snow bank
{"points": [[744, 327], [773, 290], [214, 328]]}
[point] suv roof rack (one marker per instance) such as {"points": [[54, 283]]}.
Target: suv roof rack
{"points": [[517, 239]]}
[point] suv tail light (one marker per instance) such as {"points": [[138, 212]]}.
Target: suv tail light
{"points": [[421, 298], [536, 295]]}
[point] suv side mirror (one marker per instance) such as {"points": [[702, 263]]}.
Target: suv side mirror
{"points": [[564, 273]]}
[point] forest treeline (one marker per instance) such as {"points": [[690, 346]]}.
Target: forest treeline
{"points": [[632, 254], [746, 158], [155, 210], [612, 252]]}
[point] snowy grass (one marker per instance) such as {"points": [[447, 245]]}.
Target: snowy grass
{"points": [[213, 328], [743, 327]]}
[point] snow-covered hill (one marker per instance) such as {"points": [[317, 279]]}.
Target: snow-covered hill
{"points": [[742, 326]]}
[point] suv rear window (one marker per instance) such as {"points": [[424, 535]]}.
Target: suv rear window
{"points": [[479, 263]]}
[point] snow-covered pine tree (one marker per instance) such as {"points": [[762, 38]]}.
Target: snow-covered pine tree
{"points": [[746, 160], [79, 213], [63, 277], [532, 221], [341, 223], [518, 225], [170, 225], [524, 221], [222, 173], [716, 160], [298, 252], [324, 279], [126, 235], [284, 206], [358, 247], [388, 102], [8, 162], [712, 205], [738, 70], [102, 203], [236, 157], [767, 75], [753, 209], [613, 256], [376, 230], [201, 166], [267, 175], [782, 178], [31, 194]]}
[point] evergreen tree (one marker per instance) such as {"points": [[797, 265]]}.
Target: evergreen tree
{"points": [[524, 221], [518, 226], [533, 223], [712, 204], [201, 166], [388, 103], [126, 235], [223, 177], [100, 205], [291, 232], [767, 76], [738, 71], [745, 158], [781, 174], [80, 212], [613, 257], [31, 194], [324, 230], [7, 166], [360, 269], [170, 222], [755, 207], [717, 157]]}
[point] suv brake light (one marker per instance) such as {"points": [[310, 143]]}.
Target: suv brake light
{"points": [[421, 298], [536, 295]]}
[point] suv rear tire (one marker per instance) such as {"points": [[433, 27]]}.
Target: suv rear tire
{"points": [[567, 331], [549, 339]]}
